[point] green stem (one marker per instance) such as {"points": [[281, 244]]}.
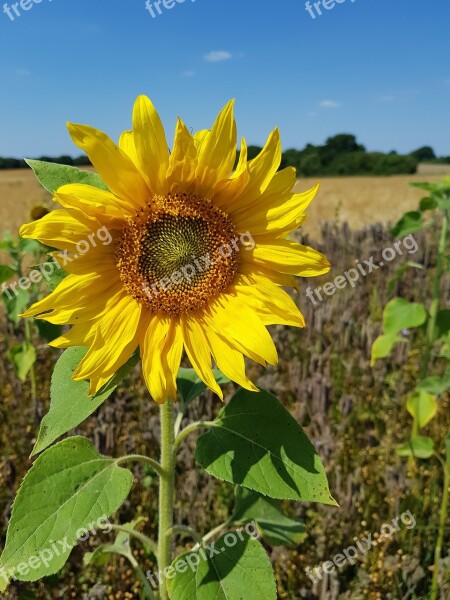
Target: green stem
{"points": [[186, 532], [434, 306], [29, 340], [143, 459], [141, 576], [166, 493], [145, 541], [211, 534], [190, 429], [441, 531]]}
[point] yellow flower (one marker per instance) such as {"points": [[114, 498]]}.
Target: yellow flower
{"points": [[198, 254]]}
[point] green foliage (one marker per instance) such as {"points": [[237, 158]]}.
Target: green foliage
{"points": [[52, 176], [217, 577], [273, 525], [190, 386], [422, 406], [417, 447], [23, 357], [69, 488], [70, 404], [257, 444]]}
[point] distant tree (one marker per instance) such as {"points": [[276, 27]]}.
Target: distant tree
{"points": [[424, 154]]}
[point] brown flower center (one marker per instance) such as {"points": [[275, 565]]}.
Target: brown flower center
{"points": [[179, 253]]}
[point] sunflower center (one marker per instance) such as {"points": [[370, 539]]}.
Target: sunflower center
{"points": [[179, 253]]}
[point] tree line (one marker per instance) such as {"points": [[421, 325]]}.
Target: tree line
{"points": [[340, 155]]}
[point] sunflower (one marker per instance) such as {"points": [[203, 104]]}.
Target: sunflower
{"points": [[198, 257]]}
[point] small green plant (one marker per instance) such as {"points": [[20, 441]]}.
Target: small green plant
{"points": [[428, 325]]}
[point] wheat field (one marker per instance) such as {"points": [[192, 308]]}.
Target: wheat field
{"points": [[359, 201]]}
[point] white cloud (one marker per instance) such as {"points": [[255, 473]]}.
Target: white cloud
{"points": [[329, 104], [189, 74], [217, 56]]}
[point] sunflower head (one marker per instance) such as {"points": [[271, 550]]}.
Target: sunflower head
{"points": [[196, 257]]}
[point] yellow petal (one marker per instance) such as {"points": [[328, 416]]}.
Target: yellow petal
{"points": [[114, 342], [79, 335], [128, 145], [217, 152], [78, 299], [275, 277], [94, 202], [161, 347], [233, 319], [228, 189], [60, 229], [183, 161], [264, 167], [271, 303], [197, 349], [151, 145], [287, 257], [114, 166], [229, 360]]}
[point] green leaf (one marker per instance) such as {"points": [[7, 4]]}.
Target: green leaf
{"points": [[6, 273], [383, 346], [69, 489], [23, 357], [30, 246], [52, 176], [435, 385], [234, 573], [256, 443], [47, 330], [418, 446], [422, 406], [190, 385], [70, 404], [409, 223], [16, 301], [400, 314], [423, 185], [274, 526], [121, 546], [54, 279], [427, 203], [442, 323]]}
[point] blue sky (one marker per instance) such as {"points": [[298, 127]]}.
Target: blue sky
{"points": [[376, 68]]}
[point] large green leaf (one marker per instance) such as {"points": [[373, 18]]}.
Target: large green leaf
{"points": [[232, 573], [409, 223], [23, 357], [400, 314], [273, 525], [422, 406], [418, 446], [52, 176], [69, 489], [190, 385], [256, 443], [70, 404]]}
